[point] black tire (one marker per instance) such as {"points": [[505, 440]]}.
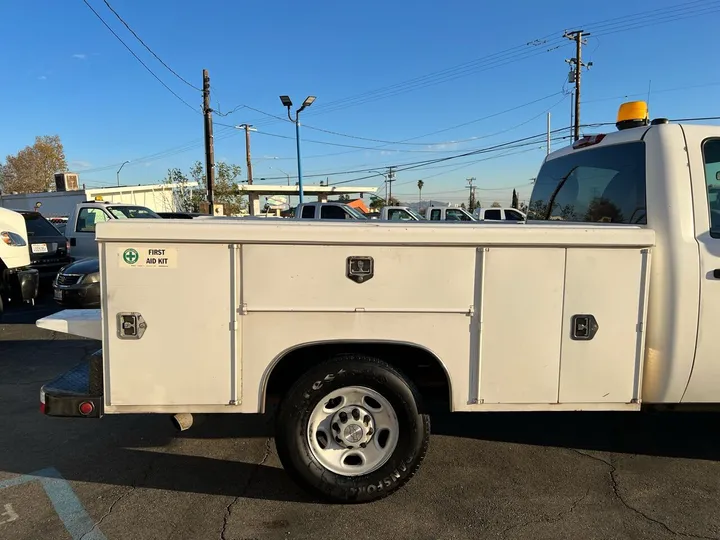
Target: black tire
{"points": [[293, 417]]}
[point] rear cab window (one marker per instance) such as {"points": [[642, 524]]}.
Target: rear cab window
{"points": [[132, 212], [308, 212], [38, 226], [605, 184], [88, 218]]}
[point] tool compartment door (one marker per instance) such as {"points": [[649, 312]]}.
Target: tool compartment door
{"points": [[603, 320], [181, 293]]}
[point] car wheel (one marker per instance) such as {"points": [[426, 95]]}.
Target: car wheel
{"points": [[350, 430]]}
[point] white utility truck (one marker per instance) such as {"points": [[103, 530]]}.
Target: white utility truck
{"points": [[18, 281], [499, 214], [448, 213], [81, 223], [356, 326]]}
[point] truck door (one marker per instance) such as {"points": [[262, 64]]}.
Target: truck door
{"points": [[82, 237], [704, 158]]}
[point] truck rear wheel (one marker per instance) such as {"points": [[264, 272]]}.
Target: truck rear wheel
{"points": [[350, 431]]}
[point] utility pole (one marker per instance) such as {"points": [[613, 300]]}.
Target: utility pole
{"points": [[248, 128], [209, 143], [390, 179], [471, 200], [548, 133], [576, 69]]}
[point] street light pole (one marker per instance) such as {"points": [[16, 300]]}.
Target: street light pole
{"points": [[118, 172], [286, 174], [288, 103]]}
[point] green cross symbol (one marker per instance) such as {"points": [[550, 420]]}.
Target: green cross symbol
{"points": [[131, 256]]}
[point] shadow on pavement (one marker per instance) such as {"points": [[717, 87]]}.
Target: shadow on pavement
{"points": [[689, 435]]}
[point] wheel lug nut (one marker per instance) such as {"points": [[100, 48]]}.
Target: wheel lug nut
{"points": [[363, 445], [335, 426], [337, 440], [366, 419], [356, 414], [343, 417], [370, 431]]}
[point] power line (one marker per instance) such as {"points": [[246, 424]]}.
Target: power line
{"points": [[171, 70], [138, 58]]}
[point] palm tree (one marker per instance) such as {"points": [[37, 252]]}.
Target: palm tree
{"points": [[420, 186]]}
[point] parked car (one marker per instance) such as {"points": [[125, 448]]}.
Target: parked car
{"points": [[49, 249], [78, 284]]}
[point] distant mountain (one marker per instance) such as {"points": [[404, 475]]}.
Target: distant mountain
{"points": [[421, 206]]}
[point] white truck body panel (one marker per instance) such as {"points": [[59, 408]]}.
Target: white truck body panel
{"points": [[85, 323], [216, 354], [14, 256]]}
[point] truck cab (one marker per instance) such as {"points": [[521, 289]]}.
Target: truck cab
{"points": [[80, 226], [444, 213], [327, 210], [666, 177], [499, 214]]}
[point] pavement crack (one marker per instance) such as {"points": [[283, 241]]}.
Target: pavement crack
{"points": [[251, 477], [549, 519], [109, 511], [637, 511], [132, 488]]}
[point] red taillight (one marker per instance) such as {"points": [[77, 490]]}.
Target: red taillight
{"points": [[86, 407], [42, 408], [588, 140]]}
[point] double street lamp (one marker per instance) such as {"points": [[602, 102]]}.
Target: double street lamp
{"points": [[288, 103]]}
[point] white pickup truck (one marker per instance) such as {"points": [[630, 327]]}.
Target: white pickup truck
{"points": [[17, 279], [355, 327], [80, 226]]}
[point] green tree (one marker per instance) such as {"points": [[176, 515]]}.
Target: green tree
{"points": [[344, 198], [495, 205], [32, 169], [421, 184], [225, 190], [376, 203], [514, 203]]}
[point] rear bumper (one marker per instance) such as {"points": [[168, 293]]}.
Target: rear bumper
{"points": [[78, 296], [76, 393], [25, 281]]}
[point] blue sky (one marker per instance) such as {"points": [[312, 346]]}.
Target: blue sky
{"points": [[67, 74]]}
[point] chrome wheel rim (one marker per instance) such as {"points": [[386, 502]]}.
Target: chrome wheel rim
{"points": [[353, 431]]}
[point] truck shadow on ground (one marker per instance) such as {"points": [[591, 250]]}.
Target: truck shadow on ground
{"points": [[138, 451]]}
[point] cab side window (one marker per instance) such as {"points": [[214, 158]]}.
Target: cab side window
{"points": [[88, 218], [493, 214], [308, 212], [435, 215], [711, 157]]}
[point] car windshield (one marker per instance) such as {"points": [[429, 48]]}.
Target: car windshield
{"points": [[132, 212], [39, 226], [355, 213]]}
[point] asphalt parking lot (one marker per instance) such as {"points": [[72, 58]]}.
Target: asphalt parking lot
{"points": [[514, 476]]}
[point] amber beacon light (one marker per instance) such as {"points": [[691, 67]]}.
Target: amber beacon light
{"points": [[632, 114]]}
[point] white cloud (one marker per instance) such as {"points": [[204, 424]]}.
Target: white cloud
{"points": [[79, 164], [80, 56], [450, 145], [42, 78]]}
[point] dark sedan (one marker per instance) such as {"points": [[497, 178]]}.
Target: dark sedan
{"points": [[48, 247], [78, 284]]}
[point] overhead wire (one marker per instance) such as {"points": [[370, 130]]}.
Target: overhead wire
{"points": [[138, 58], [171, 70]]}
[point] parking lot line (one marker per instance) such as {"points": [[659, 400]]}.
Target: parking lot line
{"points": [[72, 513]]}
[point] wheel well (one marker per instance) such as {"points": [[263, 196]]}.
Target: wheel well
{"points": [[421, 366]]}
